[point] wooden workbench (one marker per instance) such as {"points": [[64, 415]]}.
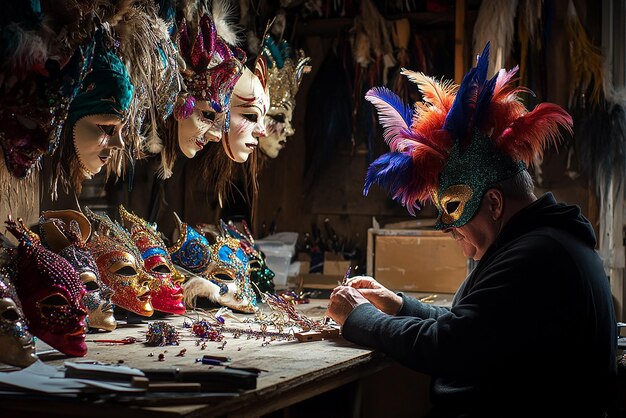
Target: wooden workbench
{"points": [[294, 370]]}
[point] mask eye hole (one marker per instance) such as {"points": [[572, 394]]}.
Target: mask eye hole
{"points": [[162, 269], [255, 264], [223, 277], [55, 300], [252, 117], [10, 315], [91, 286], [107, 129], [451, 207], [127, 271], [208, 115], [279, 118]]}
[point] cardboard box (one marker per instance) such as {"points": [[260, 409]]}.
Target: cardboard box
{"points": [[415, 261]]}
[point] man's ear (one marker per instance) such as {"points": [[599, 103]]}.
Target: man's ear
{"points": [[495, 202]]}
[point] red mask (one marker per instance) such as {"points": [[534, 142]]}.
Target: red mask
{"points": [[50, 291], [167, 293]]}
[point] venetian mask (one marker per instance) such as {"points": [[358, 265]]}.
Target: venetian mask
{"points": [[285, 71], [191, 250], [227, 281], [33, 110], [50, 292], [278, 126], [18, 345], [167, 293], [95, 138], [23, 141], [250, 102], [96, 115], [210, 73], [203, 125], [120, 265], [260, 274], [66, 232]]}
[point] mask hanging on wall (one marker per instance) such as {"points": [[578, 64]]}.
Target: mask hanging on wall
{"points": [[50, 292], [167, 293], [66, 233], [285, 71], [250, 101], [120, 265]]}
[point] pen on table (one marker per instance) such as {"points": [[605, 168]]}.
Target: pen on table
{"points": [[213, 360]]}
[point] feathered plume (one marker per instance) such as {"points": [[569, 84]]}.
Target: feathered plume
{"points": [[224, 14], [421, 142]]}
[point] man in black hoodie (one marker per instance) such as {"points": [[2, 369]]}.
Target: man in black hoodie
{"points": [[532, 329]]}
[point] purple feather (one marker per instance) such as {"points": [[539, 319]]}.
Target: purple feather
{"points": [[392, 100]]}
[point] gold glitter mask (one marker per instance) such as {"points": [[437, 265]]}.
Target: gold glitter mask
{"points": [[452, 202]]}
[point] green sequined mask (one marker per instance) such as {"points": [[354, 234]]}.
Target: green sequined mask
{"points": [[467, 176]]}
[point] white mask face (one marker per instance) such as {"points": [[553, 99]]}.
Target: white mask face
{"points": [[95, 136], [279, 128], [202, 126], [249, 104]]}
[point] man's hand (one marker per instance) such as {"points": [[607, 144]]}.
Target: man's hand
{"points": [[377, 294], [342, 301]]}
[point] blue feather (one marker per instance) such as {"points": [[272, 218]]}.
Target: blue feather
{"points": [[461, 113], [390, 171], [484, 99]]}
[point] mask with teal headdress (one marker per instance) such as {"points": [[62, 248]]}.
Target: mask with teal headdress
{"points": [[106, 89], [459, 141]]}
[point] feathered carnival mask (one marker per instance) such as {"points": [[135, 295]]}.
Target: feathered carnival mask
{"points": [[459, 141], [106, 89], [212, 69]]}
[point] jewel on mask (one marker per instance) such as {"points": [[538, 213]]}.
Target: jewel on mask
{"points": [[184, 106]]}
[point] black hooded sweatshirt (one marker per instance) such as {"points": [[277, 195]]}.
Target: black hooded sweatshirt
{"points": [[531, 331]]}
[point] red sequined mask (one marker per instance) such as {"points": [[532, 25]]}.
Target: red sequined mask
{"points": [[167, 293], [50, 291]]}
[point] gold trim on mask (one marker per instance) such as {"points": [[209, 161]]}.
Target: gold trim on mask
{"points": [[460, 194]]}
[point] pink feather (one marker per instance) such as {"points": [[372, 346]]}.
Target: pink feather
{"points": [[530, 134]]}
